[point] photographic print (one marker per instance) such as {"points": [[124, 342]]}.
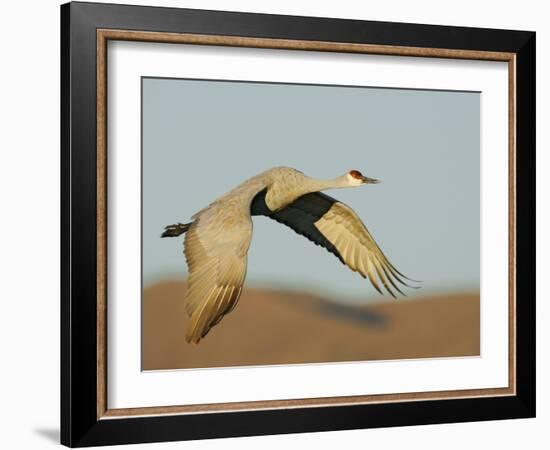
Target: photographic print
{"points": [[300, 223], [332, 217]]}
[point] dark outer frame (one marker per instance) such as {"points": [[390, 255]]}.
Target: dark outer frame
{"points": [[81, 425]]}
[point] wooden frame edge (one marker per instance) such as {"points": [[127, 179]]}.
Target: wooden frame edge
{"points": [[289, 44], [304, 403], [101, 223], [103, 35], [512, 199]]}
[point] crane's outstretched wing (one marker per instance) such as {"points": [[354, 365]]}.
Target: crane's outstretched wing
{"points": [[336, 227], [216, 247]]}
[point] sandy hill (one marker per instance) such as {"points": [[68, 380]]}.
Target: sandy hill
{"points": [[272, 327]]}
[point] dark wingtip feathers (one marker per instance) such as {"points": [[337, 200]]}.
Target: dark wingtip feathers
{"points": [[175, 230]]}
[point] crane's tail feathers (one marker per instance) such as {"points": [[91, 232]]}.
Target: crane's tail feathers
{"points": [[175, 230]]}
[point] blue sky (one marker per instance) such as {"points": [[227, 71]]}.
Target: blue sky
{"points": [[201, 138]]}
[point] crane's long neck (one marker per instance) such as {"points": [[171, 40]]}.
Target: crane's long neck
{"points": [[316, 185], [282, 193]]}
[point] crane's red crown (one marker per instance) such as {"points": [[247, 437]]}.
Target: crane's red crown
{"points": [[356, 174]]}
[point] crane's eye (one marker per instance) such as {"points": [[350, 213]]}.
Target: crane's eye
{"points": [[356, 174]]}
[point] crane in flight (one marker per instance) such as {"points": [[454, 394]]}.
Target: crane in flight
{"points": [[217, 240]]}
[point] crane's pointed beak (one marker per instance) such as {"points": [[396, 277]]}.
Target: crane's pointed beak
{"points": [[367, 180]]}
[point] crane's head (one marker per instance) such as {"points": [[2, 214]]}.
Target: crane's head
{"points": [[356, 178]]}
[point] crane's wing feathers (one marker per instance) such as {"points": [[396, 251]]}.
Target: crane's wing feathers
{"points": [[301, 216], [343, 227], [216, 246], [336, 227], [215, 249]]}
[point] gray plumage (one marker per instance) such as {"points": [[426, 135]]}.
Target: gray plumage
{"points": [[217, 240]]}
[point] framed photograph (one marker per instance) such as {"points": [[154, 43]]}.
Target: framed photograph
{"points": [[278, 224]]}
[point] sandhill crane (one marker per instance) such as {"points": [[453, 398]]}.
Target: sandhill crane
{"points": [[217, 240]]}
